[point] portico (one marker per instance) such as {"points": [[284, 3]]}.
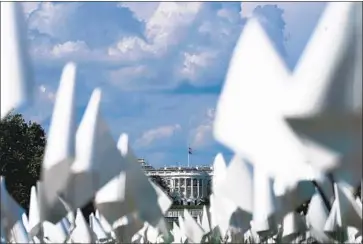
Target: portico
{"points": [[190, 184]]}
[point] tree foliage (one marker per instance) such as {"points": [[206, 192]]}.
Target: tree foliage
{"points": [[22, 147]]}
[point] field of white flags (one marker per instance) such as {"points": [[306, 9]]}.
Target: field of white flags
{"points": [[296, 136]]}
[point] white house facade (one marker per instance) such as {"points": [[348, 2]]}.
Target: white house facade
{"points": [[190, 184]]}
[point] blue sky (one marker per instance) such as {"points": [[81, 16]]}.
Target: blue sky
{"points": [[160, 66]]}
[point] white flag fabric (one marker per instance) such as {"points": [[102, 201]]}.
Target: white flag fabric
{"points": [[17, 85], [264, 203], [11, 216], [326, 99], [238, 173], [316, 217], [192, 229], [205, 221], [97, 229], [139, 186], [97, 158], [111, 200], [60, 149], [248, 117], [35, 223], [293, 226], [82, 232]]}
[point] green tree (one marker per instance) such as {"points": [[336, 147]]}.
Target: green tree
{"points": [[22, 147]]}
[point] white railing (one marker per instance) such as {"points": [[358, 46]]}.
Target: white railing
{"points": [[176, 173]]}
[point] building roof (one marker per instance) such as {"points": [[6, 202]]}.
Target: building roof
{"points": [[176, 169]]}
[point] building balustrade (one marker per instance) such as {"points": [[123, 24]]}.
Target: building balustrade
{"points": [[173, 214], [180, 212]]}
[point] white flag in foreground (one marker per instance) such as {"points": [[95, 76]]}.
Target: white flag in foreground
{"points": [[16, 72]]}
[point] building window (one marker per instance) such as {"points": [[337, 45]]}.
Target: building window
{"points": [[195, 182], [182, 182]]}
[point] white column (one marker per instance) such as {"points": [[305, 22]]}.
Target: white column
{"points": [[198, 188], [181, 185], [178, 179], [192, 186], [186, 188], [202, 187], [174, 182]]}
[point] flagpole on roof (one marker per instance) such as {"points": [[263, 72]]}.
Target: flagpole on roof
{"points": [[188, 156], [189, 153]]}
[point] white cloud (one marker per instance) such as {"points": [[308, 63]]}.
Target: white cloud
{"points": [[290, 9], [29, 7], [194, 62], [248, 7], [42, 88], [170, 22], [152, 135], [131, 77], [229, 14], [187, 39], [48, 18], [132, 49], [300, 19], [202, 135], [173, 43], [77, 51], [79, 47], [45, 94], [181, 41], [142, 10], [166, 28]]}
